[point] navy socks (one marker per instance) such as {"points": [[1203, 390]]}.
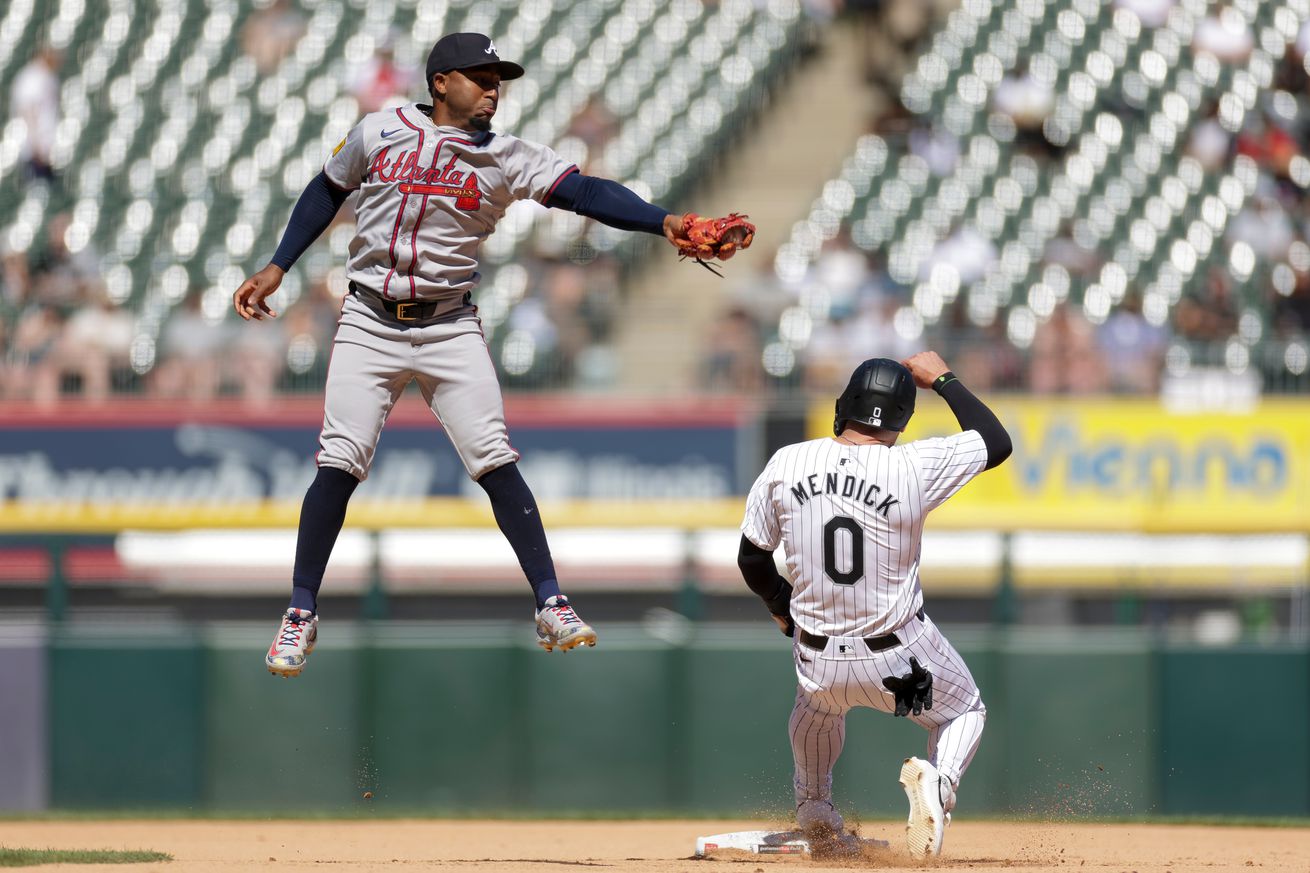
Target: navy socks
{"points": [[516, 512], [321, 517], [324, 511]]}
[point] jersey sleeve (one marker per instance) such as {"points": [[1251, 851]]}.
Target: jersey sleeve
{"points": [[532, 171], [345, 166], [761, 525], [948, 464]]}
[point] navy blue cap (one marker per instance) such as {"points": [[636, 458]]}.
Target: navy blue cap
{"points": [[459, 51]]}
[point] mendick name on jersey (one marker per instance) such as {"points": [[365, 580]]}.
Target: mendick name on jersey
{"points": [[856, 489]]}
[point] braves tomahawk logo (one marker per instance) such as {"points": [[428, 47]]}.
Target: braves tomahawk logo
{"points": [[429, 181]]}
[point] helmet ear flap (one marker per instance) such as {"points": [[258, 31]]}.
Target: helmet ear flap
{"points": [[837, 420]]}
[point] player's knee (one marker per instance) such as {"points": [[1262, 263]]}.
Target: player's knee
{"points": [[343, 455]]}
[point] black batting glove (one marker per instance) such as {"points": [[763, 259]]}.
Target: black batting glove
{"points": [[913, 690]]}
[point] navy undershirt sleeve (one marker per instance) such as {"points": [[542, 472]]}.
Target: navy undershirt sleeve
{"points": [[608, 202], [314, 211]]}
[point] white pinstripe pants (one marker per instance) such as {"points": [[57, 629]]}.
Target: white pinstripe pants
{"points": [[846, 674]]}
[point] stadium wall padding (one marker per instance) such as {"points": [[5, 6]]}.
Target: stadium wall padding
{"points": [[470, 718]]}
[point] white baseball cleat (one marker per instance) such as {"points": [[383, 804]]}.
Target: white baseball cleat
{"points": [[294, 641], [931, 800], [558, 626], [818, 819]]}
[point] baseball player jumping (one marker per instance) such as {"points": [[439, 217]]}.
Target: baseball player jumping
{"points": [[432, 182], [849, 511]]}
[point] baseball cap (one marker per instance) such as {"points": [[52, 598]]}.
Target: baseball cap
{"points": [[459, 51]]}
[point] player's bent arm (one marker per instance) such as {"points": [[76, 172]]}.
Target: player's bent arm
{"points": [[973, 414], [762, 577], [314, 211], [608, 202]]}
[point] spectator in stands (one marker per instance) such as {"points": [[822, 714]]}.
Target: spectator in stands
{"points": [[1209, 143], [731, 361], [1026, 99], [382, 82], [842, 273], [983, 357], [60, 276], [594, 124], [840, 343], [30, 363], [1209, 316], [939, 148], [15, 280], [1291, 316], [34, 100], [95, 344], [1065, 358], [1263, 139], [192, 348], [1264, 224], [1132, 348], [270, 33], [966, 251], [1151, 13], [1225, 35], [309, 325], [253, 362]]}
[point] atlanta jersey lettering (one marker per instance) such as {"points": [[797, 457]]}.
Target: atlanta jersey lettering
{"points": [[850, 519], [428, 197]]}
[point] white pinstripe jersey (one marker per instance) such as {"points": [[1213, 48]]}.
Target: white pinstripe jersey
{"points": [[850, 519], [429, 196]]}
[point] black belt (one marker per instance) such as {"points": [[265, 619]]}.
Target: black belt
{"points": [[406, 310], [875, 644]]}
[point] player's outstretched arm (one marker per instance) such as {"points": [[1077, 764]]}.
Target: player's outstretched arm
{"points": [[762, 577], [618, 206], [610, 203], [930, 371], [314, 211]]}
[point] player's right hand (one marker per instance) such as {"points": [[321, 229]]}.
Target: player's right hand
{"points": [[249, 299], [785, 624], [925, 367]]}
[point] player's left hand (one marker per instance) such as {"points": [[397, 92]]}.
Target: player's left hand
{"points": [[673, 228], [785, 624], [708, 239], [913, 690]]}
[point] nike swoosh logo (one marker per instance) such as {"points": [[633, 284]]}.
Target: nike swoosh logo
{"points": [[387, 133], [527, 511]]}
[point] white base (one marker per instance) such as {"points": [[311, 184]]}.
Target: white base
{"points": [[755, 842]]}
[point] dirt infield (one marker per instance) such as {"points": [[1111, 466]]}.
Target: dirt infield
{"points": [[659, 846]]}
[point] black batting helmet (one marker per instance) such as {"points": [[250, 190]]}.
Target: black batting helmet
{"points": [[880, 393]]}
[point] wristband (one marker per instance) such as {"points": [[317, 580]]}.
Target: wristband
{"points": [[943, 380]]}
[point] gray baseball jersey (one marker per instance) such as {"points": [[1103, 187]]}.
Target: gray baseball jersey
{"points": [[850, 518], [428, 197]]}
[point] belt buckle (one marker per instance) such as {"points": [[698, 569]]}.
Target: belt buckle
{"points": [[400, 311]]}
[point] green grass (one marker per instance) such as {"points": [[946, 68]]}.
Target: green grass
{"points": [[36, 857]]}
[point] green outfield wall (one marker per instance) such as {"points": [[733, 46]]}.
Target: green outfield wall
{"points": [[472, 718]]}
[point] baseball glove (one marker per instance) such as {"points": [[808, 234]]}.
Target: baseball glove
{"points": [[707, 239]]}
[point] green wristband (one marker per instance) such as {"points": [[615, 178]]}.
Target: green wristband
{"points": [[943, 380]]}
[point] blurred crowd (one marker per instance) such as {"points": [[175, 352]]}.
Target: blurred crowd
{"points": [[1068, 353], [63, 333]]}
